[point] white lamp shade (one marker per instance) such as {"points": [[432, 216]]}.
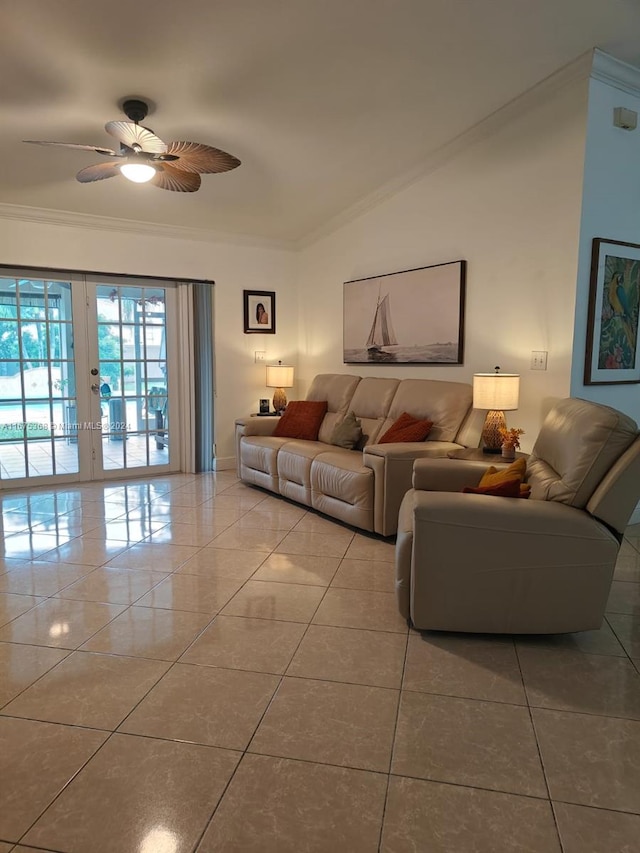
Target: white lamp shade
{"points": [[496, 391], [279, 376]]}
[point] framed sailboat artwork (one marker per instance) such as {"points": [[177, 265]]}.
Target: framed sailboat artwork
{"points": [[410, 317]]}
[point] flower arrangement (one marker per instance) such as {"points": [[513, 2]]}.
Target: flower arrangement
{"points": [[511, 437]]}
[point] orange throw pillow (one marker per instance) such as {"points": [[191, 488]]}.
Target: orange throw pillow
{"points": [[506, 489], [493, 476], [302, 419], [406, 428]]}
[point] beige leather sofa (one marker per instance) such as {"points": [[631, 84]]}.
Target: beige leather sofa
{"points": [[469, 562], [361, 487]]}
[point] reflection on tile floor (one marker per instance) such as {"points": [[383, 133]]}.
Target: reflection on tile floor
{"points": [[200, 666]]}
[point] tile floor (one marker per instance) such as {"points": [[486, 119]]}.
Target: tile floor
{"points": [[191, 664]]}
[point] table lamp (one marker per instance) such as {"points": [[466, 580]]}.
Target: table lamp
{"points": [[497, 392], [279, 376]]}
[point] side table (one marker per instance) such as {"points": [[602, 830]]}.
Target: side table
{"points": [[478, 455]]}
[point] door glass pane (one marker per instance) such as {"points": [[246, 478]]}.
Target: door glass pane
{"points": [[37, 380], [133, 376]]}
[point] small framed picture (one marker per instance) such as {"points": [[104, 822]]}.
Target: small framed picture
{"points": [[264, 407], [259, 312], [612, 352]]}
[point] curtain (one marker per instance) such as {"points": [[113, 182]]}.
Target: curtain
{"points": [[203, 376]]}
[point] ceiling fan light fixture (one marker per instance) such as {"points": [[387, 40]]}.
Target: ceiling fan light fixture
{"points": [[139, 173]]}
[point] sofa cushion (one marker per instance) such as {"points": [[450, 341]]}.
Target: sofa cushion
{"points": [[347, 433], [578, 443], [342, 487], [371, 403], [337, 389], [444, 403], [295, 458], [406, 428], [301, 419]]}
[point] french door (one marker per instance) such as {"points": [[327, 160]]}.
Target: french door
{"points": [[87, 382]]}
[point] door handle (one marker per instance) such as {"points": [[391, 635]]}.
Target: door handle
{"points": [[95, 388]]}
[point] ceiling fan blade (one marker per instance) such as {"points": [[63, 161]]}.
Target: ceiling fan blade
{"points": [[169, 177], [195, 157], [131, 134], [95, 148], [98, 172]]}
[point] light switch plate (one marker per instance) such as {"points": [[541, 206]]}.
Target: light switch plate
{"points": [[260, 355], [539, 360]]}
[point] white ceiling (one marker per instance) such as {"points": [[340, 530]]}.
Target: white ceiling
{"points": [[324, 101]]}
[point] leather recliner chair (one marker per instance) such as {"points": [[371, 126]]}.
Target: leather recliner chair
{"points": [[487, 564]]}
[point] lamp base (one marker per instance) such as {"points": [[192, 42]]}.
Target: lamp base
{"points": [[491, 438], [279, 400]]}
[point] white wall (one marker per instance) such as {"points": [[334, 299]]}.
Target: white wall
{"points": [[239, 381], [611, 210], [510, 205]]}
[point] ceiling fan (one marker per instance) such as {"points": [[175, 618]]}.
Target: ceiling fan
{"points": [[143, 156]]}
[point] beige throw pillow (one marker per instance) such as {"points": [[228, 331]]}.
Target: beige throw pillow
{"points": [[347, 433]]}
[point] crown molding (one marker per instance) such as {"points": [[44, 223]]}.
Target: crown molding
{"points": [[577, 70], [68, 219], [615, 73]]}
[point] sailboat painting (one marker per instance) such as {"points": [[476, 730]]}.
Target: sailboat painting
{"points": [[381, 338], [410, 317]]}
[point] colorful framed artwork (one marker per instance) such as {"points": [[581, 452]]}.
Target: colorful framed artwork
{"points": [[612, 355], [259, 312], [410, 317]]}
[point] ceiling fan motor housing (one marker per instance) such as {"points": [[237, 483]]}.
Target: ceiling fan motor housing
{"points": [[135, 110]]}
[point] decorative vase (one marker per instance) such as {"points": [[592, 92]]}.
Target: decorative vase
{"points": [[508, 451]]}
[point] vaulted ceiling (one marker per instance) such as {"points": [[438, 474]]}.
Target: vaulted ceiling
{"points": [[324, 101]]}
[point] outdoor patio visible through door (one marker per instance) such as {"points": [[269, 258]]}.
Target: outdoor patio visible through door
{"points": [[86, 383]]}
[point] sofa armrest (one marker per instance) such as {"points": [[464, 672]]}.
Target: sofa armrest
{"points": [[252, 426], [524, 565], [392, 466], [257, 426]]}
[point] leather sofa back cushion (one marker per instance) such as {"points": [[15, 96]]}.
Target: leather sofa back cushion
{"points": [[578, 443], [444, 403], [337, 389], [371, 403], [406, 428], [301, 419]]}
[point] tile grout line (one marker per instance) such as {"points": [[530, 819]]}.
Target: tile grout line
{"points": [[393, 738], [538, 748]]}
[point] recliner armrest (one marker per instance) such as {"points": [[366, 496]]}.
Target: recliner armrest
{"points": [[447, 475], [510, 518]]}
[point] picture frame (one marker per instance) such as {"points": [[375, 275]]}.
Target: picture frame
{"points": [[410, 317], [259, 312], [612, 355]]}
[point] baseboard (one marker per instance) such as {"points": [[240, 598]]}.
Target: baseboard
{"points": [[225, 463]]}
